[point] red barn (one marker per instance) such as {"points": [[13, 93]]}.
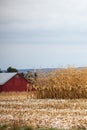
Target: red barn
{"points": [[12, 82]]}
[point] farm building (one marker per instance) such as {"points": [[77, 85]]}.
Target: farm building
{"points": [[12, 82]]}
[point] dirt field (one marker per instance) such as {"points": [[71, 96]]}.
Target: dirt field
{"points": [[16, 108]]}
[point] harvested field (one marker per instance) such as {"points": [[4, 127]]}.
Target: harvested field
{"points": [[17, 109]]}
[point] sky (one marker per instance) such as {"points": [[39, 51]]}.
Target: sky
{"points": [[43, 33]]}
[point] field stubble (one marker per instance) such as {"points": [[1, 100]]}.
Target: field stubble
{"points": [[16, 108]]}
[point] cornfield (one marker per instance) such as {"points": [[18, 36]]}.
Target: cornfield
{"points": [[69, 83]]}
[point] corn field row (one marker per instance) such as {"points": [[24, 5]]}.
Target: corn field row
{"points": [[69, 83]]}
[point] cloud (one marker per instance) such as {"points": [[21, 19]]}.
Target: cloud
{"points": [[43, 14], [45, 32]]}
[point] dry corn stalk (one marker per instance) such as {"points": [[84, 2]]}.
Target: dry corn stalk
{"points": [[69, 83]]}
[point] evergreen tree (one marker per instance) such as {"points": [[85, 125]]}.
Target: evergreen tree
{"points": [[10, 69]]}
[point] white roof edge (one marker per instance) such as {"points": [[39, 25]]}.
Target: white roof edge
{"points": [[4, 77]]}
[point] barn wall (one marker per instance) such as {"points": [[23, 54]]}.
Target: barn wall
{"points": [[0, 88], [17, 83]]}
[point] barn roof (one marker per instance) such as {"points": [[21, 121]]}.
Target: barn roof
{"points": [[4, 77]]}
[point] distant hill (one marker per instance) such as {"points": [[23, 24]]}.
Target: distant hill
{"points": [[45, 70]]}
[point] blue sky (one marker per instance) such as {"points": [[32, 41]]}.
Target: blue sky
{"points": [[43, 33]]}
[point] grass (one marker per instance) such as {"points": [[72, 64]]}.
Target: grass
{"points": [[6, 127], [14, 127]]}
